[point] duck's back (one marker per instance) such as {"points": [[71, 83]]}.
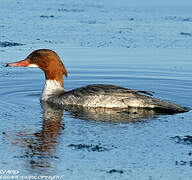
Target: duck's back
{"points": [[110, 96]]}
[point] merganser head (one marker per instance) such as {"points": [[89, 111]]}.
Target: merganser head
{"points": [[48, 61]]}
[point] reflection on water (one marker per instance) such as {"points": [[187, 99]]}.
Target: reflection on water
{"points": [[130, 115], [40, 147]]}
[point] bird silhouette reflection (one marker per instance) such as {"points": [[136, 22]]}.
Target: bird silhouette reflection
{"points": [[40, 147]]}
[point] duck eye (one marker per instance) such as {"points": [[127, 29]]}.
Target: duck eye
{"points": [[34, 59]]}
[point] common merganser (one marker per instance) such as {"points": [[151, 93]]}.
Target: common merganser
{"points": [[95, 95]]}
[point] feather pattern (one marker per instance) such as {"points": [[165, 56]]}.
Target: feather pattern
{"points": [[110, 96]]}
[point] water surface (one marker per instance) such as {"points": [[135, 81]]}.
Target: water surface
{"points": [[145, 46], [42, 140]]}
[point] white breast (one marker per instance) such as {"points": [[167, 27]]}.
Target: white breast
{"points": [[52, 88]]}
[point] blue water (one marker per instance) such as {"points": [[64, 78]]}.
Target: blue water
{"points": [[144, 46], [37, 141]]}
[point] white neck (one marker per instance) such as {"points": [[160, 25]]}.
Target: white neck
{"points": [[52, 88]]}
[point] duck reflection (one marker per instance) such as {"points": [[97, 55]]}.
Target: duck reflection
{"points": [[129, 115], [41, 146]]}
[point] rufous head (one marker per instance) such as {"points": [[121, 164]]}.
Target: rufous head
{"points": [[48, 61]]}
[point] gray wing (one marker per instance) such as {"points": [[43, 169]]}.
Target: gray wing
{"points": [[110, 96], [98, 89]]}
